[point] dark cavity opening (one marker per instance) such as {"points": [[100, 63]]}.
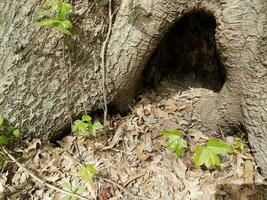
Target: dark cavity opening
{"points": [[187, 54]]}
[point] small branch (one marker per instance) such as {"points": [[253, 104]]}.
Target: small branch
{"points": [[102, 56], [78, 150], [40, 180], [68, 80]]}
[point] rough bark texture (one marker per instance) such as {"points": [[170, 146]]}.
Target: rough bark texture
{"points": [[241, 45], [34, 85], [33, 78]]}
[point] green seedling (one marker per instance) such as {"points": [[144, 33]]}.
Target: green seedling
{"points": [[239, 144], [175, 141], [55, 14], [75, 187], [85, 126], [209, 155], [7, 132], [88, 172]]}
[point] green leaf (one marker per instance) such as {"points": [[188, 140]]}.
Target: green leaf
{"points": [[66, 197], [218, 147], [175, 142], [56, 13], [213, 160], [1, 121], [200, 156], [80, 127], [169, 133], [63, 10], [204, 155], [74, 187], [67, 24], [52, 4], [96, 126], [239, 144], [3, 140], [85, 126], [10, 129], [48, 22], [86, 118], [66, 186], [62, 28], [77, 187], [16, 133], [88, 172]]}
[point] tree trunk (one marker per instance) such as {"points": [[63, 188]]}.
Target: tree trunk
{"points": [[36, 93], [241, 46], [34, 83]]}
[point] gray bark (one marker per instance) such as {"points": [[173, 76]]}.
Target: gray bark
{"points": [[241, 45], [33, 84]]}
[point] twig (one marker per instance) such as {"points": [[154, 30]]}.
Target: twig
{"points": [[78, 150], [40, 180], [68, 80], [134, 178], [102, 56], [124, 189]]}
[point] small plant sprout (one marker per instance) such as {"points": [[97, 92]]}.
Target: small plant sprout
{"points": [[85, 126], [175, 141], [239, 144], [209, 155], [7, 132], [3, 140], [88, 172], [55, 14], [75, 187]]}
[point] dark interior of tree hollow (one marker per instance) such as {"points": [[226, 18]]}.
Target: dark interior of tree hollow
{"points": [[187, 53]]}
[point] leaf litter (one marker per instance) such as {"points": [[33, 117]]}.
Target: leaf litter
{"points": [[132, 161]]}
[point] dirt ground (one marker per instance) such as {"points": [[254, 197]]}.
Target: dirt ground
{"points": [[132, 160]]}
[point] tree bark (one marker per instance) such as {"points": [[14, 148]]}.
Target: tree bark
{"points": [[34, 79], [34, 84], [241, 45]]}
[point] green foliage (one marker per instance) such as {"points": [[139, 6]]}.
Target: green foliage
{"points": [[74, 187], [3, 161], [55, 14], [209, 154], [1, 120], [85, 126], [175, 141], [7, 132], [88, 172], [239, 144], [3, 140]]}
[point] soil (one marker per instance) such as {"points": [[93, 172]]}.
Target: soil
{"points": [[132, 160]]}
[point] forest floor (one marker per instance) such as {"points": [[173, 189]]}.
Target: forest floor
{"points": [[132, 160]]}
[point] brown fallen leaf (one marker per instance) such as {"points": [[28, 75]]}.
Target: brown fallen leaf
{"points": [[119, 132], [139, 152]]}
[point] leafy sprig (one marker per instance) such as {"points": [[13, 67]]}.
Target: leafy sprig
{"points": [[209, 155], [7, 132], [88, 172], [85, 126], [55, 14], [73, 187], [239, 144], [175, 141]]}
